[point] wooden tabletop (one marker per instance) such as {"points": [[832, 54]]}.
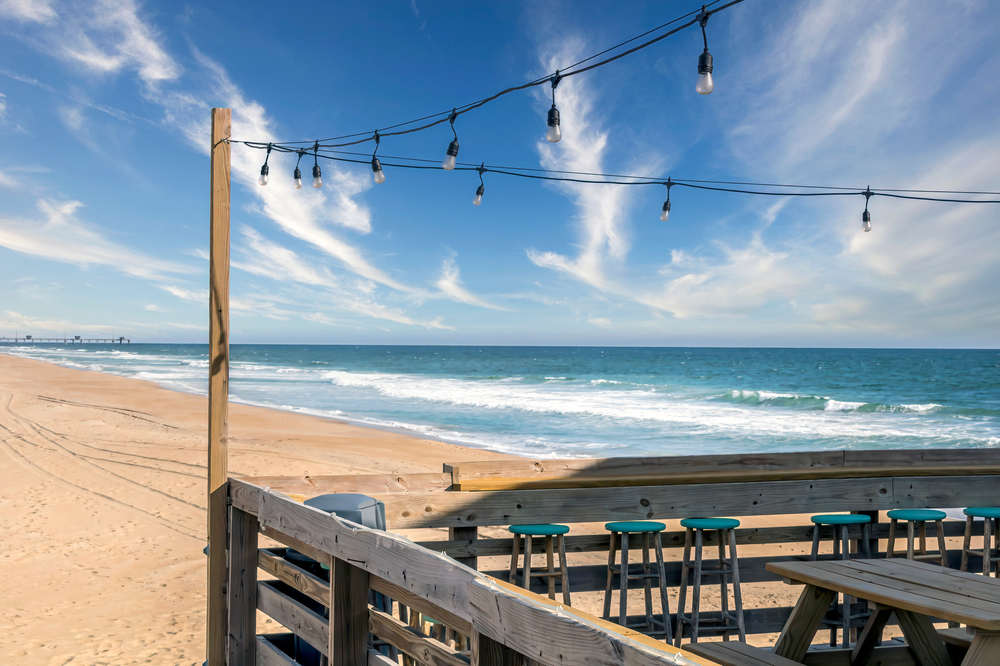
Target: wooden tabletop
{"points": [[914, 586]]}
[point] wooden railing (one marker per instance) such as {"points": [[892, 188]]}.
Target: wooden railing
{"points": [[523, 491], [504, 624]]}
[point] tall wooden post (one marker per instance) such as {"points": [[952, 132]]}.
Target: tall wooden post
{"points": [[218, 388]]}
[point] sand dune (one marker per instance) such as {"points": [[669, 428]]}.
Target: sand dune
{"points": [[102, 507]]}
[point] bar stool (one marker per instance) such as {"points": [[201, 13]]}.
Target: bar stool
{"points": [[726, 527], [547, 531], [987, 513], [650, 531], [841, 549], [913, 518]]}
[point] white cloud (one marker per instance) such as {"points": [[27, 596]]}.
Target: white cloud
{"points": [[38, 11], [450, 283], [599, 321], [62, 236]]}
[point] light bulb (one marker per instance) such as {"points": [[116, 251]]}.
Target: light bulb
{"points": [[298, 178], [866, 221], [705, 84], [666, 211], [554, 133], [263, 175], [449, 159], [479, 196], [377, 172], [317, 177]]}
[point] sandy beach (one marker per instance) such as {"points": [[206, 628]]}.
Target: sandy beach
{"points": [[102, 518]]}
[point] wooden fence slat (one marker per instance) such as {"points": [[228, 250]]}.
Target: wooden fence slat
{"points": [[488, 652], [365, 484], [944, 491], [269, 655], [512, 507], [304, 622], [885, 655], [417, 603], [424, 649], [271, 561], [242, 605], [348, 615]]}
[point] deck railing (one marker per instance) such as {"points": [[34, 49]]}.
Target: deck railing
{"points": [[440, 578]]}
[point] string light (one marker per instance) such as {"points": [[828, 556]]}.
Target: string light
{"points": [[264, 170], [377, 172], [866, 217], [297, 174], [478, 200], [705, 84], [554, 133], [452, 153], [666, 204], [317, 174]]}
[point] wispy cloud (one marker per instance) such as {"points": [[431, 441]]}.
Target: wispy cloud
{"points": [[61, 236], [35, 11], [450, 283]]}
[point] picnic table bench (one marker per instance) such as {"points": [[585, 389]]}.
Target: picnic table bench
{"points": [[914, 591]]}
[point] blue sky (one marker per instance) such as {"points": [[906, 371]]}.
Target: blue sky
{"points": [[104, 117]]}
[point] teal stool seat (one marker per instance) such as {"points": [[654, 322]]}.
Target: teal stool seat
{"points": [[841, 519], [917, 515], [728, 572], [982, 511], [555, 539], [991, 538], [635, 527], [710, 523], [538, 530]]}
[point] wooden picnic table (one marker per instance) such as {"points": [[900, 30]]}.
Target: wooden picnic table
{"points": [[914, 591]]}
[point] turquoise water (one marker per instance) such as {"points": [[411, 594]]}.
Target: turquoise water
{"points": [[587, 401]]}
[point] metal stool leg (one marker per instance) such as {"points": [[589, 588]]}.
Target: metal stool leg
{"points": [[664, 604], [724, 592], [623, 575], [564, 569], [682, 594], [696, 596], [611, 574], [737, 595]]}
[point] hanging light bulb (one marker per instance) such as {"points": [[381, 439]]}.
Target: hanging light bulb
{"points": [[554, 133], [298, 178], [377, 172], [666, 204], [705, 85], [452, 153], [478, 200], [317, 173], [264, 170], [866, 217]]}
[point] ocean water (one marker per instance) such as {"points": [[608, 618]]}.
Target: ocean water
{"points": [[597, 402]]}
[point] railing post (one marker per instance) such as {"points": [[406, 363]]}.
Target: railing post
{"points": [[348, 615], [488, 652], [242, 588]]}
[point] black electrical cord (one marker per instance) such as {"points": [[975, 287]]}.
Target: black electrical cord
{"points": [[444, 116]]}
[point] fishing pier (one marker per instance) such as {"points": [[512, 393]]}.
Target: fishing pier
{"points": [[75, 340]]}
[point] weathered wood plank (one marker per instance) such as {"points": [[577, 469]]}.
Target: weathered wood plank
{"points": [[885, 655], [985, 650], [302, 621], [242, 622], [923, 639], [735, 653], [425, 650], [922, 457], [365, 484], [805, 619], [524, 622], [302, 547], [218, 384], [421, 605], [488, 652], [317, 589], [957, 491], [429, 575], [268, 654], [348, 614], [467, 536], [512, 507]]}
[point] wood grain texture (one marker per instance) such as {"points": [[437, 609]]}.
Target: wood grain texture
{"points": [[218, 385], [303, 622], [348, 615], [514, 507], [922, 638], [269, 655], [930, 492], [425, 650], [735, 653], [809, 611], [885, 655], [365, 484], [271, 561], [488, 652], [985, 650], [421, 605], [242, 604]]}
